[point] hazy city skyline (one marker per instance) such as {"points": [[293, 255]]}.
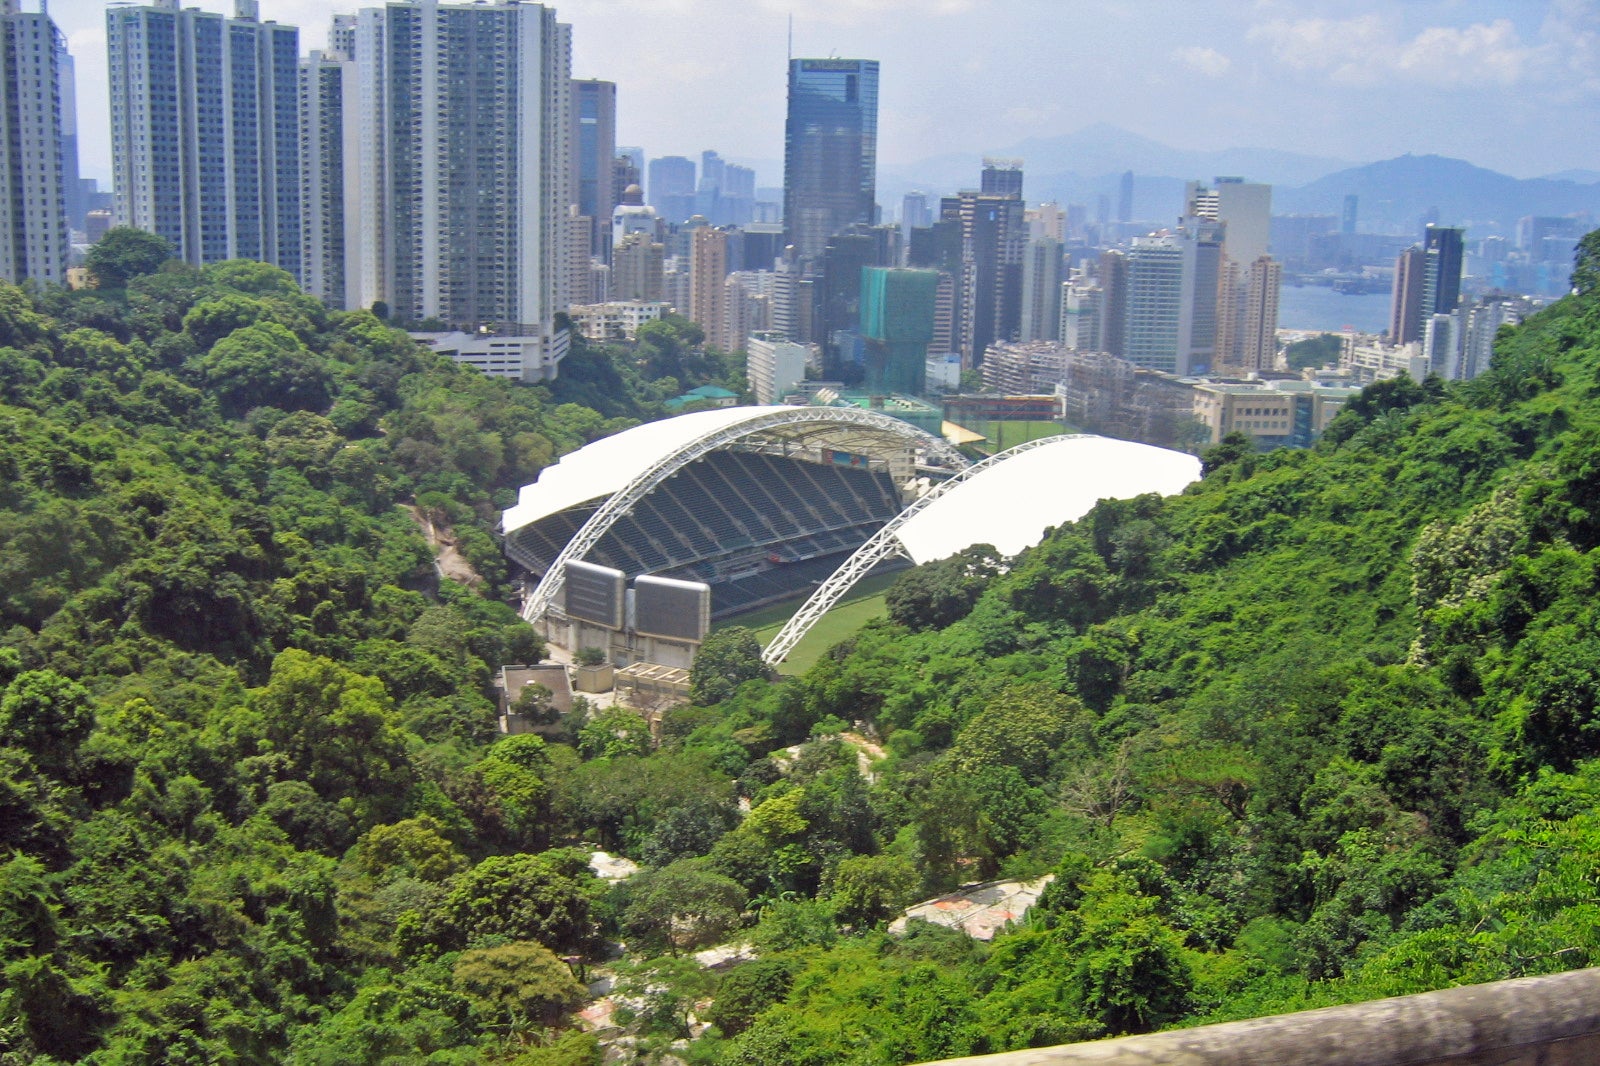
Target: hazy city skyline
{"points": [[1512, 87]]}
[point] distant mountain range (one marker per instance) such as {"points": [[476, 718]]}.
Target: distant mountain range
{"points": [[1393, 194], [1102, 149], [1404, 189]]}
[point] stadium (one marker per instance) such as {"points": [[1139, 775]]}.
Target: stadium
{"points": [[709, 515], [640, 542]]}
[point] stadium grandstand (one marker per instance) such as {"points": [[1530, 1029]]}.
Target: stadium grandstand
{"points": [[757, 504]]}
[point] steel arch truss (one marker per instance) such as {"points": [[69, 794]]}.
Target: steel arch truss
{"points": [[839, 426], [882, 545]]}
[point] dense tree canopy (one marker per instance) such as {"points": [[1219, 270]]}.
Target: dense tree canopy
{"points": [[1322, 728]]}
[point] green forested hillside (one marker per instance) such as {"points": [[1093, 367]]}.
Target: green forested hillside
{"points": [[1323, 728]]}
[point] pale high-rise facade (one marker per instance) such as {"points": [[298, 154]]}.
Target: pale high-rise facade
{"points": [[329, 191], [1260, 333], [1081, 304], [205, 130], [1170, 309], [34, 239], [637, 268], [465, 167], [773, 366], [1245, 210], [1041, 290], [708, 290]]}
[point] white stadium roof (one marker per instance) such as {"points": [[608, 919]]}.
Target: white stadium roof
{"points": [[1008, 500], [618, 471], [1012, 503], [596, 470]]}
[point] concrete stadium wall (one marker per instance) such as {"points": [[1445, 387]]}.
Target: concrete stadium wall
{"points": [[1532, 1021]]}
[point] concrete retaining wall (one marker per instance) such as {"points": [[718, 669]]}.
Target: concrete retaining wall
{"points": [[1532, 1021]]}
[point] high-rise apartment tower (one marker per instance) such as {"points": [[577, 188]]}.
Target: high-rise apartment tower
{"points": [[205, 130], [466, 168], [34, 240]]}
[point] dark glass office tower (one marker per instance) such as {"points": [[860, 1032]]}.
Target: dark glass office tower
{"points": [[830, 158], [1441, 285], [594, 152]]}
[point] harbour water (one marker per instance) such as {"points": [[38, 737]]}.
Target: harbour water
{"points": [[1320, 307]]}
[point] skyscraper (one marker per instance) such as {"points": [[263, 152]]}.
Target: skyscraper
{"points": [[1170, 313], [1001, 177], [989, 288], [1441, 283], [466, 166], [34, 240], [1245, 208], [708, 291], [1125, 197], [329, 191], [830, 150], [1041, 290], [672, 187], [594, 150], [205, 131], [896, 325], [67, 79], [1260, 335], [1405, 304]]}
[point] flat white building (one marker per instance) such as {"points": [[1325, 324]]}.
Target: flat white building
{"points": [[618, 320], [773, 366], [517, 358]]}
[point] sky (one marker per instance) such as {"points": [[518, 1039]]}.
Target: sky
{"points": [[1512, 85]]}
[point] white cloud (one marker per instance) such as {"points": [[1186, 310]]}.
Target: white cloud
{"points": [[1204, 61], [1443, 55], [1372, 49]]}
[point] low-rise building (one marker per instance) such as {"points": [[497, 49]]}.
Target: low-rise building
{"points": [[521, 358], [1280, 413], [617, 320]]}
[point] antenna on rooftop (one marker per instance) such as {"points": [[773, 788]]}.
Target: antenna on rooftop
{"points": [[790, 56]]}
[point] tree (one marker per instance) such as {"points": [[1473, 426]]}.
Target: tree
{"points": [[48, 716], [942, 593], [545, 898], [867, 889], [125, 253], [683, 905], [613, 733], [1313, 352], [1586, 264], [518, 986], [747, 990], [415, 848], [332, 728], [1022, 727], [264, 365], [728, 658]]}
